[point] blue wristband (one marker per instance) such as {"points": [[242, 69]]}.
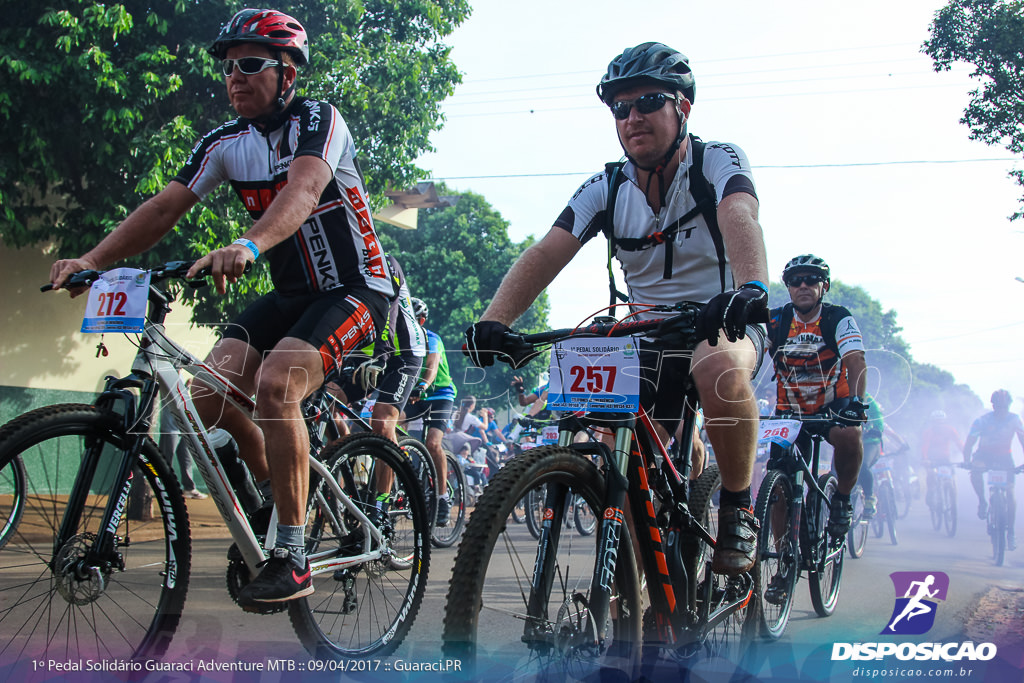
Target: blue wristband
{"points": [[250, 245], [760, 285]]}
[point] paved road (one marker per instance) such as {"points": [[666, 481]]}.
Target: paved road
{"points": [[213, 627]]}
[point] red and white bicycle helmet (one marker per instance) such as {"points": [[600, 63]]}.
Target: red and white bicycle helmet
{"points": [[267, 27]]}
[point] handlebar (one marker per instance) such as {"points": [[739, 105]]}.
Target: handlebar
{"points": [[970, 466], [675, 331], [168, 271]]}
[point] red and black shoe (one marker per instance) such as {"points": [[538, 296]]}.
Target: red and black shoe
{"points": [[279, 581]]}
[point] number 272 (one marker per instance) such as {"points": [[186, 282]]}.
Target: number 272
{"points": [[111, 303], [592, 379]]}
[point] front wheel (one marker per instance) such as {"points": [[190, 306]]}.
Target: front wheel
{"points": [[857, 537], [824, 579], [61, 597], [997, 528], [887, 503], [949, 511], [523, 623], [778, 553], [365, 608]]}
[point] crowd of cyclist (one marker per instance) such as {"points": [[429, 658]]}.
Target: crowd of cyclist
{"points": [[680, 215]]}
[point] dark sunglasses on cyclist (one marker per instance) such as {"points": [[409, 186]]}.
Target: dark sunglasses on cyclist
{"points": [[810, 280], [645, 104], [250, 66]]}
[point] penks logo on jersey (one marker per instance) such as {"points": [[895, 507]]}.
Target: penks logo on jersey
{"points": [[918, 595]]}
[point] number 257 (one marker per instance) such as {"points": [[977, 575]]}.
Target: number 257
{"points": [[592, 379]]}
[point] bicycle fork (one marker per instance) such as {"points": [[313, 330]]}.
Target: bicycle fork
{"points": [[102, 556]]}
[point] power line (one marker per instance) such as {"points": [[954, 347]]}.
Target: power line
{"points": [[758, 166]]}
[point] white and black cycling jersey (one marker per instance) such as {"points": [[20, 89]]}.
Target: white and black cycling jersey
{"points": [[336, 246], [403, 333], [699, 266]]}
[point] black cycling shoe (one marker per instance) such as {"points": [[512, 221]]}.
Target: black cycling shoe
{"points": [[840, 518], [279, 581], [776, 592], [736, 547]]}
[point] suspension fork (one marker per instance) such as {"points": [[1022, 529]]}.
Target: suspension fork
{"points": [[116, 399]]}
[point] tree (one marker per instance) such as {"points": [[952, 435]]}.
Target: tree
{"points": [[107, 100], [989, 34], [454, 261]]}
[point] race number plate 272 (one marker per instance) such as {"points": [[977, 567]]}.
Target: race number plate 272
{"points": [[599, 375], [117, 302]]}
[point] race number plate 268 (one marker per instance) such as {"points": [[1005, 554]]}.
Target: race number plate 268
{"points": [[598, 375], [117, 302]]}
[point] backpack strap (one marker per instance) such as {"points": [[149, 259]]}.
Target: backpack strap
{"points": [[613, 173], [703, 193]]}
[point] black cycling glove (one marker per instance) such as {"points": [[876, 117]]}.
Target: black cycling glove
{"points": [[853, 414], [484, 341], [732, 311]]}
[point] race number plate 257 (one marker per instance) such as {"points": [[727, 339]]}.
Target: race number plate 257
{"points": [[597, 375], [117, 302]]}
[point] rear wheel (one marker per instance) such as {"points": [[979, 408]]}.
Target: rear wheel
{"points": [[778, 554], [824, 579], [455, 484], [12, 497], [61, 598], [364, 608], [583, 516], [718, 594], [493, 616]]}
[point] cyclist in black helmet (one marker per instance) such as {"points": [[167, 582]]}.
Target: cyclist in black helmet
{"points": [[683, 224], [291, 160]]}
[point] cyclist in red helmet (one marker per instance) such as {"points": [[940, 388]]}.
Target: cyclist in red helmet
{"points": [[291, 161]]}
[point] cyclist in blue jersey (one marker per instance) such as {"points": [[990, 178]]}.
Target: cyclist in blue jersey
{"points": [[993, 433], [434, 398], [291, 161]]}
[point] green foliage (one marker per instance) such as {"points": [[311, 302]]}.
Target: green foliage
{"points": [[454, 261], [988, 34], [108, 99]]}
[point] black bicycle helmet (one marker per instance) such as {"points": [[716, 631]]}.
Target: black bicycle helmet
{"points": [[419, 308], [647, 63], [265, 26], [807, 262]]}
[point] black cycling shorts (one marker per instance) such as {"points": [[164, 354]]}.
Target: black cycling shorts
{"points": [[663, 373], [336, 322], [397, 380], [436, 413]]}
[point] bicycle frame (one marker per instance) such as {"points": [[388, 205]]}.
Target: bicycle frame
{"points": [[155, 371], [627, 464]]}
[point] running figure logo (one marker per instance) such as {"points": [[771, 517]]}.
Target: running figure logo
{"points": [[917, 598]]}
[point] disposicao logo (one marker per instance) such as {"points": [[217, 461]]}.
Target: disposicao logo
{"points": [[918, 595]]}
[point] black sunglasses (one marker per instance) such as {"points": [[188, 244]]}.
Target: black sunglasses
{"points": [[250, 66], [645, 104], [797, 280]]}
